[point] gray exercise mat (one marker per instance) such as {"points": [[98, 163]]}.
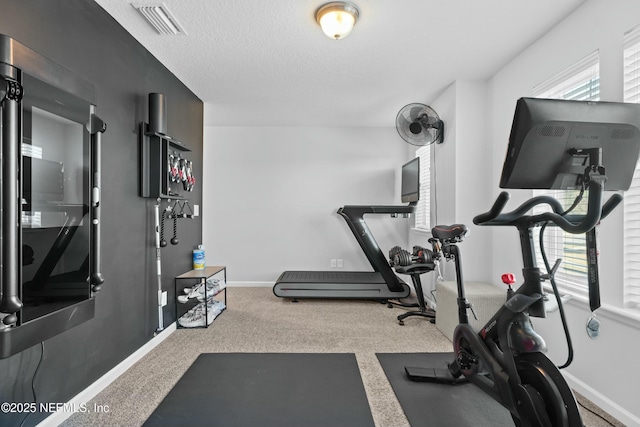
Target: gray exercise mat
{"points": [[440, 405], [267, 389]]}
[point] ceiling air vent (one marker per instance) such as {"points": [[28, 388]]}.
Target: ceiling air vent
{"points": [[160, 18]]}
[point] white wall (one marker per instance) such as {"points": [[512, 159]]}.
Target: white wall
{"points": [[460, 176], [602, 369], [271, 196]]}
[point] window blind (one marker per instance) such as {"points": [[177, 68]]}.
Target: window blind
{"points": [[632, 196], [581, 81], [423, 210]]}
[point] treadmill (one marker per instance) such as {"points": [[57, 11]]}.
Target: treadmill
{"points": [[380, 284]]}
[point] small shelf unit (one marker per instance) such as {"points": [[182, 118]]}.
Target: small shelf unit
{"points": [[196, 277]]}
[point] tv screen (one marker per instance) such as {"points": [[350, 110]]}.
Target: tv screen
{"points": [[411, 181], [544, 132], [42, 182]]}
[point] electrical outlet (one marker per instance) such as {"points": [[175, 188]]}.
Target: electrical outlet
{"points": [[164, 298], [340, 264], [334, 263]]}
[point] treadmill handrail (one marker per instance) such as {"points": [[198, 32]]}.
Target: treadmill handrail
{"points": [[354, 216], [379, 209]]}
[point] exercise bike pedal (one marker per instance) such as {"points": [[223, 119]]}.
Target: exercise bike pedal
{"points": [[435, 375]]}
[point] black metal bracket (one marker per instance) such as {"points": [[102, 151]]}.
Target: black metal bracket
{"points": [[10, 301], [96, 128], [12, 91], [594, 169]]}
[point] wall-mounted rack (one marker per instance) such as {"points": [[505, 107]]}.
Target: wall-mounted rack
{"points": [[165, 172]]}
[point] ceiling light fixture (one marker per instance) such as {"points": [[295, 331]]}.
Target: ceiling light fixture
{"points": [[337, 18]]}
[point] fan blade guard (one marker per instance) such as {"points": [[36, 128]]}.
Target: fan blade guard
{"points": [[419, 124]]}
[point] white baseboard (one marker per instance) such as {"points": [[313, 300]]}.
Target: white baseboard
{"points": [[250, 284], [82, 398], [611, 407]]}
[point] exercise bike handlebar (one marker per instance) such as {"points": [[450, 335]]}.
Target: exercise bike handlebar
{"points": [[574, 224]]}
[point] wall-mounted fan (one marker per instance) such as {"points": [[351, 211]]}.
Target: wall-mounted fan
{"points": [[419, 124]]}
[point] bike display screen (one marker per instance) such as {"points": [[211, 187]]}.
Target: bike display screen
{"points": [[545, 132]]}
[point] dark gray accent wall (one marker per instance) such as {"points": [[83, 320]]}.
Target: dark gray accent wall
{"points": [[81, 36]]}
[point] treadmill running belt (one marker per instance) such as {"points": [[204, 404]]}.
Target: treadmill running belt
{"points": [[330, 277], [337, 284]]}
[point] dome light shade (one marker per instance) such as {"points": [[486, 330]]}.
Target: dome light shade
{"points": [[337, 18]]}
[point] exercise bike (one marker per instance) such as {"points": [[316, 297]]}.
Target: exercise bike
{"points": [[506, 357]]}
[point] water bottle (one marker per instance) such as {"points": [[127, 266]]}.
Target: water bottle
{"points": [[198, 258]]}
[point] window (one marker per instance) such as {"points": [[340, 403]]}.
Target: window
{"points": [[581, 82], [632, 197], [423, 210]]}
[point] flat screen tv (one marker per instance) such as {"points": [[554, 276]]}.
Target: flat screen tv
{"points": [[544, 132], [411, 181]]}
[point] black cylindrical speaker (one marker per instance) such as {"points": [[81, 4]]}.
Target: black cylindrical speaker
{"points": [[157, 113]]}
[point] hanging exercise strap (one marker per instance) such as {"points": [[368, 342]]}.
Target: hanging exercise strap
{"points": [[592, 263]]}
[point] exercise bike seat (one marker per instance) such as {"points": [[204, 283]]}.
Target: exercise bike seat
{"points": [[415, 268], [449, 233]]}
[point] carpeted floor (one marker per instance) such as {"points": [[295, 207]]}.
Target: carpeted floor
{"points": [[258, 322]]}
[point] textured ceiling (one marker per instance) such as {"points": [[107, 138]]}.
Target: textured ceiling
{"points": [[268, 63]]}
